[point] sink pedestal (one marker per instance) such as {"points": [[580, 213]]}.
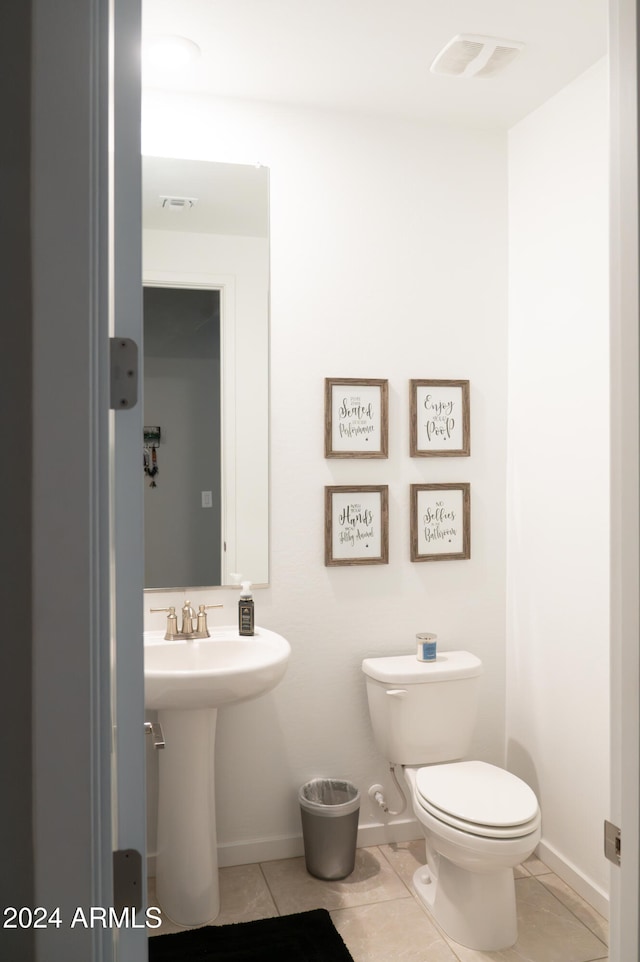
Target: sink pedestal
{"points": [[186, 681], [187, 862]]}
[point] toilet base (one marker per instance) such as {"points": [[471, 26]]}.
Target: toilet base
{"points": [[476, 910]]}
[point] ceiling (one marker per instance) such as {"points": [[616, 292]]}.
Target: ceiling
{"points": [[227, 198], [374, 56]]}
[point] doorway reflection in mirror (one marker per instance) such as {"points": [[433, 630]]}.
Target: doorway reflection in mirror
{"points": [[182, 515]]}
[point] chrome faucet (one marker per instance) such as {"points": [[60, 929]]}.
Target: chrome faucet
{"points": [[193, 626]]}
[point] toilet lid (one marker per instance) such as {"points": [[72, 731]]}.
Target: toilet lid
{"points": [[477, 793]]}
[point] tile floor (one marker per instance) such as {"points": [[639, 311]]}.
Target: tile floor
{"points": [[380, 919]]}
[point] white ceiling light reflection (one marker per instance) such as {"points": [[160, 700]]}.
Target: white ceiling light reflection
{"points": [[166, 56]]}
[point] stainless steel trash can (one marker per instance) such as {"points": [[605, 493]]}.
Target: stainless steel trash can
{"points": [[329, 809]]}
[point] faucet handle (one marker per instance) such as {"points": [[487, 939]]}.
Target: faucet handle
{"points": [[202, 628], [172, 622]]}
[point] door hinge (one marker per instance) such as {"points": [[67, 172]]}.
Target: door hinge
{"points": [[127, 880], [124, 373], [612, 843]]}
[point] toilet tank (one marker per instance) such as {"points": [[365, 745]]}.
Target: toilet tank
{"points": [[423, 712]]}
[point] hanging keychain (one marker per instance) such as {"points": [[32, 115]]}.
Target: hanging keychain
{"points": [[150, 464], [154, 466]]}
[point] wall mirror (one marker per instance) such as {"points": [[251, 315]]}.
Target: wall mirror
{"points": [[206, 373]]}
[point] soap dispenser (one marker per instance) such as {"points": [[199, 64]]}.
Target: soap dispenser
{"points": [[245, 610]]}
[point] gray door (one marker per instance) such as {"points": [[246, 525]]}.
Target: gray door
{"points": [[127, 542], [88, 742], [625, 479]]}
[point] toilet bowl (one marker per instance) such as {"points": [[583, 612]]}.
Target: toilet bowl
{"points": [[468, 883], [479, 821]]}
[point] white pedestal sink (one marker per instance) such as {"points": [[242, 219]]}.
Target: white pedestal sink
{"points": [[187, 681]]}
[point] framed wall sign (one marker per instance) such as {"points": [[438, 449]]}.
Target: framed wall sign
{"points": [[356, 418], [440, 423], [440, 522], [356, 524]]}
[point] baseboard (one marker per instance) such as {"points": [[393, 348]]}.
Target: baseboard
{"points": [[291, 846], [385, 833], [259, 850], [570, 874]]}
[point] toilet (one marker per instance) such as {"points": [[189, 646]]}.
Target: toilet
{"points": [[479, 821]]}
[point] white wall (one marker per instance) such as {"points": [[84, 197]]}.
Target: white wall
{"points": [[388, 259], [558, 492]]}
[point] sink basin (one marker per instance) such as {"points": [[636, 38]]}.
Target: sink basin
{"points": [[211, 672]]}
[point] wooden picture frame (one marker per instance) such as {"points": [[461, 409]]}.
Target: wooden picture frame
{"points": [[441, 522], [356, 417], [439, 419], [356, 519]]}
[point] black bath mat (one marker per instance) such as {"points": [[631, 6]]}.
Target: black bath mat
{"points": [[304, 937]]}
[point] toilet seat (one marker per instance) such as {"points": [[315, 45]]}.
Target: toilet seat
{"points": [[478, 798]]}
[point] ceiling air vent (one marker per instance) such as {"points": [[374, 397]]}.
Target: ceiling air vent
{"points": [[472, 55], [177, 203]]}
